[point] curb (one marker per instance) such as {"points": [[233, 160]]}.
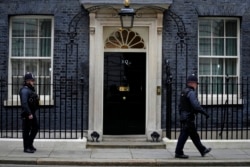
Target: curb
{"points": [[204, 163], [124, 162], [19, 161]]}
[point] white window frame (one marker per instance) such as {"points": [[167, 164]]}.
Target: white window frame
{"points": [[220, 99], [14, 99]]}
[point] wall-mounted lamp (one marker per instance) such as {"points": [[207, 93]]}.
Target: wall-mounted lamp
{"points": [[127, 15]]}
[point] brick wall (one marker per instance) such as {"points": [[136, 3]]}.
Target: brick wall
{"points": [[67, 65], [76, 65], [189, 11]]}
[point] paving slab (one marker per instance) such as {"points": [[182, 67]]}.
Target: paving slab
{"points": [[70, 154], [56, 154], [150, 154], [18, 152], [111, 155]]}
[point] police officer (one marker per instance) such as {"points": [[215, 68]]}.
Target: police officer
{"points": [[29, 103], [189, 107]]}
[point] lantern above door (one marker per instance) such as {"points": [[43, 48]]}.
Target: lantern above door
{"points": [[127, 15]]}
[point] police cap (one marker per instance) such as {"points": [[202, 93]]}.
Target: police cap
{"points": [[29, 76], [192, 78]]}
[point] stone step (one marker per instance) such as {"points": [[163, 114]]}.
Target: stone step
{"points": [[125, 138], [122, 144], [126, 141]]}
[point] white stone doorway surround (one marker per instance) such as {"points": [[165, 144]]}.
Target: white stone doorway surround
{"points": [[148, 24]]}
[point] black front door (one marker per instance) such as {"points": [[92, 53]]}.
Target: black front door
{"points": [[124, 93]]}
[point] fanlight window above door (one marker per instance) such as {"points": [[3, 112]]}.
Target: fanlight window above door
{"points": [[125, 39]]}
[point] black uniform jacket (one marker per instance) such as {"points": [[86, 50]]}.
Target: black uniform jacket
{"points": [[189, 105], [29, 100]]}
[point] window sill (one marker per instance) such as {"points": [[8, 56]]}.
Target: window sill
{"points": [[220, 99]]}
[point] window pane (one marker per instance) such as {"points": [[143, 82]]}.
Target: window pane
{"points": [[44, 77], [217, 85], [231, 28], [205, 28], [218, 28], [232, 85], [45, 28], [31, 47], [44, 68], [204, 68], [17, 67], [17, 28], [217, 67], [205, 46], [17, 84], [218, 46], [31, 66], [231, 66], [204, 85], [17, 75], [44, 86], [231, 46], [17, 47], [45, 47], [31, 28]]}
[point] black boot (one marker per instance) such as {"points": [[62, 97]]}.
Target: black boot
{"points": [[32, 148], [207, 150], [28, 150], [181, 156]]}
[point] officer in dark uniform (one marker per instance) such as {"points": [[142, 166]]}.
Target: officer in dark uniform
{"points": [[29, 103], [189, 107]]}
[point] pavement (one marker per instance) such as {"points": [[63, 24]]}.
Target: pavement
{"points": [[75, 153]]}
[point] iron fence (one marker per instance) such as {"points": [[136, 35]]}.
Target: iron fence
{"points": [[226, 102], [62, 112], [64, 109]]}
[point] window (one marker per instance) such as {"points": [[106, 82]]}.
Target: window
{"points": [[31, 50], [125, 39], [218, 51]]}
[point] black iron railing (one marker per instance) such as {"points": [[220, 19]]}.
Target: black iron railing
{"points": [[64, 109], [227, 104], [62, 112]]}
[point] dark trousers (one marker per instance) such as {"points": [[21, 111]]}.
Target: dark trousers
{"points": [[30, 129], [189, 129]]}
